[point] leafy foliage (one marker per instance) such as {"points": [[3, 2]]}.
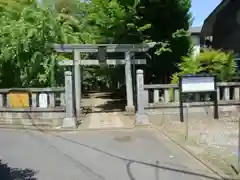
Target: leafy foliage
{"points": [[28, 29], [219, 63], [15, 5], [170, 21], [26, 45]]}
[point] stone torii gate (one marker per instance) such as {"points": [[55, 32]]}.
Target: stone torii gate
{"points": [[127, 49]]}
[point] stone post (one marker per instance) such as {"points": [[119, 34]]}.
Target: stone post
{"points": [[69, 120], [77, 83], [141, 117], [129, 89]]}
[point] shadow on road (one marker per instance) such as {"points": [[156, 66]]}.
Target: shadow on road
{"points": [[9, 173]]}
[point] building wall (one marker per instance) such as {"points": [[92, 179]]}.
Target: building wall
{"points": [[226, 30], [232, 41]]}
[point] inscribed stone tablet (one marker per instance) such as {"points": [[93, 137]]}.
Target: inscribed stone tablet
{"points": [[43, 100]]}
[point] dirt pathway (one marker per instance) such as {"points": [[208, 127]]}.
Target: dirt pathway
{"points": [[107, 112]]}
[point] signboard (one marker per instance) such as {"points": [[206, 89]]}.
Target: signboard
{"points": [[198, 83], [195, 83], [18, 99], [43, 100]]}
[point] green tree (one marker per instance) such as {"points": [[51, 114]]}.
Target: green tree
{"points": [[17, 5], [170, 21], [62, 6], [29, 30], [26, 54]]}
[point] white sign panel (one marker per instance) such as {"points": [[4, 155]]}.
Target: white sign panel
{"points": [[198, 84], [43, 100]]}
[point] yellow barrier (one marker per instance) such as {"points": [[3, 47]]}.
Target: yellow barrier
{"points": [[18, 99]]}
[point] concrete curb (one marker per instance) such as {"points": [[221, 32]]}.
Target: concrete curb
{"points": [[206, 164]]}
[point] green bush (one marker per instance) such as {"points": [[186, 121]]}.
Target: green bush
{"points": [[216, 62]]}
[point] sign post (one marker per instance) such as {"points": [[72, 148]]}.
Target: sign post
{"points": [[195, 83]]}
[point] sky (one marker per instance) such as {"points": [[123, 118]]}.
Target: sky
{"points": [[201, 9]]}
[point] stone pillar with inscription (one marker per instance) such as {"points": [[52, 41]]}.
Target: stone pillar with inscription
{"points": [[69, 120], [129, 89], [141, 117]]}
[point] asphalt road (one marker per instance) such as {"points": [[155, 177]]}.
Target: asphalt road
{"points": [[140, 154]]}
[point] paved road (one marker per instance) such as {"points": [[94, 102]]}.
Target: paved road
{"points": [[96, 155]]}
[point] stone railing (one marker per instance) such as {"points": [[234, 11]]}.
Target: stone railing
{"points": [[51, 107], [39, 106], [55, 99], [227, 92], [51, 114], [162, 100]]}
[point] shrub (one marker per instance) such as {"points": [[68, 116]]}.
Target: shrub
{"points": [[216, 62]]}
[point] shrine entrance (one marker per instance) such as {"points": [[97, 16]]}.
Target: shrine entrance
{"points": [[94, 102]]}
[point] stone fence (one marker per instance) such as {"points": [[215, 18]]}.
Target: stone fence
{"points": [[54, 102], [163, 100], [38, 106], [45, 106], [228, 92]]}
